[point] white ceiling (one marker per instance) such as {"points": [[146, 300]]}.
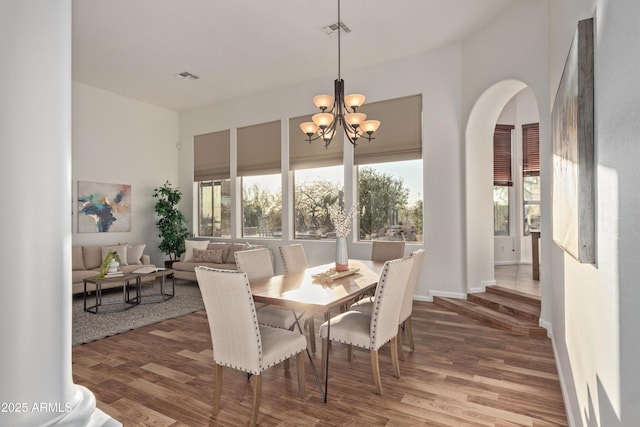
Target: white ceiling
{"points": [[237, 47]]}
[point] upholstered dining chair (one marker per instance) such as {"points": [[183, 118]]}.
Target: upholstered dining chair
{"points": [[372, 331], [293, 258], [258, 264], [365, 305], [386, 250], [239, 342]]}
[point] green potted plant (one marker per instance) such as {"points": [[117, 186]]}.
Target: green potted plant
{"points": [[171, 224], [112, 257]]}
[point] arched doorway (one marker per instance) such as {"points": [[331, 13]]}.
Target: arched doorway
{"points": [[483, 117]]}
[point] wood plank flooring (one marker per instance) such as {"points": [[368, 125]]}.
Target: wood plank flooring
{"points": [[462, 373]]}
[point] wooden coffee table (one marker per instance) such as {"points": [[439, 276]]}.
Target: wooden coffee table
{"points": [[129, 281], [164, 295]]}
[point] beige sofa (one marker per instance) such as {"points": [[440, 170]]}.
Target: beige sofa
{"points": [[86, 262], [219, 255]]}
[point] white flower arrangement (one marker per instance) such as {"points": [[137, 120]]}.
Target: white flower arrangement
{"points": [[342, 220]]}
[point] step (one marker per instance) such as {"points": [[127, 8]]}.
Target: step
{"points": [[494, 318], [517, 295], [506, 305]]}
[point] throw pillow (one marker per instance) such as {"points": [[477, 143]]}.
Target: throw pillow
{"points": [[134, 254], [121, 250], [208, 255], [190, 245], [77, 261]]}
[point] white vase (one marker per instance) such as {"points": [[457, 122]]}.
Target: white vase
{"points": [[342, 257], [113, 266]]}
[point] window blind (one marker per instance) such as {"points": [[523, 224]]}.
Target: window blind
{"points": [[211, 156], [259, 149], [531, 149], [399, 136], [502, 155], [304, 155]]}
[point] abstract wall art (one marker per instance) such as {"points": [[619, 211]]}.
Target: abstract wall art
{"points": [[103, 207], [572, 122]]}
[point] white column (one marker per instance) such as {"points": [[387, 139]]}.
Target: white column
{"points": [[36, 385]]}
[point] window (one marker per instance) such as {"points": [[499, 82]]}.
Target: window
{"points": [[390, 172], [318, 181], [390, 201], [316, 190], [211, 177], [259, 169], [502, 179], [262, 206], [214, 207], [531, 177]]}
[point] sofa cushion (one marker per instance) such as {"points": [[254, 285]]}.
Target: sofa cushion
{"points": [[134, 254], [121, 250], [215, 256], [190, 245], [191, 266], [77, 262], [233, 248], [92, 256]]}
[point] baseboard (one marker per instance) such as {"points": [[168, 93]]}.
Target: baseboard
{"points": [[561, 378], [445, 294], [547, 326], [483, 286]]}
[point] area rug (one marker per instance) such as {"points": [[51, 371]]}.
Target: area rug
{"points": [[89, 327]]}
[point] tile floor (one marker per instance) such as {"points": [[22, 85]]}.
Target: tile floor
{"points": [[518, 277]]}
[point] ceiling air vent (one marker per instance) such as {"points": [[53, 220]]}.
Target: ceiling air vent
{"points": [[330, 29], [185, 75]]}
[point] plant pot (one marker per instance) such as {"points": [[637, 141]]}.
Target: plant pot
{"points": [[168, 264]]}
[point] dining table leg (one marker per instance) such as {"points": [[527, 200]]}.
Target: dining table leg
{"points": [[313, 366]]}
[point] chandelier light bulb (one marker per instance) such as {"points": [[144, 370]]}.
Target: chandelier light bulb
{"points": [[322, 120], [370, 126], [309, 128], [323, 101], [353, 102], [355, 119]]}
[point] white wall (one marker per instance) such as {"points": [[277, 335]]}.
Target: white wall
{"points": [[119, 140], [437, 76], [498, 61], [596, 317]]}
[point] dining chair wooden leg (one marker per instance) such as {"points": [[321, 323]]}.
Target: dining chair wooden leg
{"points": [[375, 370], [349, 352], [394, 356], [407, 326], [217, 389], [257, 393], [286, 364], [400, 350], [311, 329], [323, 362], [300, 367]]}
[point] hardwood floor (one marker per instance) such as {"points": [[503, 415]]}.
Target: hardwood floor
{"points": [[462, 373], [518, 277]]}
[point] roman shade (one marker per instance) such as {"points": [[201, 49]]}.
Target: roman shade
{"points": [[531, 149], [211, 156], [259, 149], [399, 136], [502, 155], [305, 155]]}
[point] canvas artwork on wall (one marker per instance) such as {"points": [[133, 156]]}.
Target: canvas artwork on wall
{"points": [[103, 207], [572, 121]]}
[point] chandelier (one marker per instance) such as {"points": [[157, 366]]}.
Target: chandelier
{"points": [[339, 110]]}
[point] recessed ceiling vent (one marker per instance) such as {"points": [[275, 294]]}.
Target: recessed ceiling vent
{"points": [[331, 29], [185, 75]]}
